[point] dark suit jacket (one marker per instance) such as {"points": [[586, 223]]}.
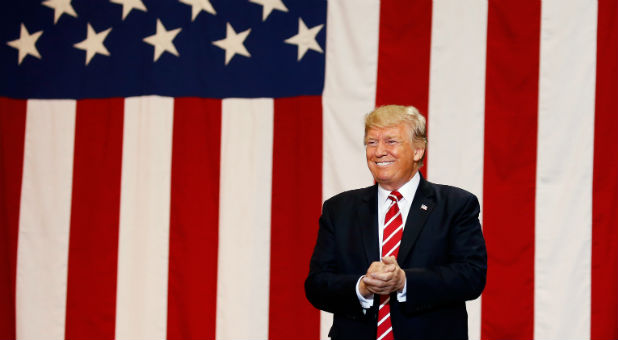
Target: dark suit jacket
{"points": [[442, 253]]}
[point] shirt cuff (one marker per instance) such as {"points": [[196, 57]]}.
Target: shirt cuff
{"points": [[401, 296], [365, 303]]}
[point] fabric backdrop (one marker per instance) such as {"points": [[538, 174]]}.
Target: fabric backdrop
{"points": [[163, 163]]}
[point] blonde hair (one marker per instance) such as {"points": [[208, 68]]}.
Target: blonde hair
{"points": [[392, 115]]}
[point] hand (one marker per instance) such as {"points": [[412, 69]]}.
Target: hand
{"points": [[375, 267], [383, 277]]}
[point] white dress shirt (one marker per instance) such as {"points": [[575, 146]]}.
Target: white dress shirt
{"points": [[407, 191]]}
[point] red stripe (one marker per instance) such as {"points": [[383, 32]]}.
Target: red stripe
{"points": [[93, 240], [404, 53], [295, 209], [12, 133], [194, 219], [386, 325], [604, 290], [510, 168]]}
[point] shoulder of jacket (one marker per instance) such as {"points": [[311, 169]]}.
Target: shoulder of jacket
{"points": [[449, 191], [351, 195]]}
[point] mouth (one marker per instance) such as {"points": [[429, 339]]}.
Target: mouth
{"points": [[383, 164]]}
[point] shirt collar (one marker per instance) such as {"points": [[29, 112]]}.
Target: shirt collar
{"points": [[407, 190]]}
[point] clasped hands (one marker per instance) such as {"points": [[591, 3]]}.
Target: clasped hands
{"points": [[382, 278]]}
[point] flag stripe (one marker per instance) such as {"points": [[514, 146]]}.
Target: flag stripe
{"points": [[349, 94], [44, 219], [457, 93], [93, 239], [244, 219], [564, 169], [510, 168], [194, 219], [141, 307], [404, 55], [295, 208], [12, 131], [456, 100], [604, 291]]}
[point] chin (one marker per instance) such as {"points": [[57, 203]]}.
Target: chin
{"points": [[383, 181]]}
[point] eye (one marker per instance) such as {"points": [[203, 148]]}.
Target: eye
{"points": [[392, 141], [372, 142]]}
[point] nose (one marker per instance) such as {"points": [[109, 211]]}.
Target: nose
{"points": [[381, 149]]}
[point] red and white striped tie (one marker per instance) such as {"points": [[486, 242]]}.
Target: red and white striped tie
{"points": [[391, 238]]}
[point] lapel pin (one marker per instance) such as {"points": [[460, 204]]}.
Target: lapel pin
{"points": [[423, 207]]}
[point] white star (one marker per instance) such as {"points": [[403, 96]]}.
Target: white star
{"points": [[93, 43], [60, 7], [233, 43], [25, 44], [129, 5], [269, 5], [199, 5], [305, 39], [162, 40]]}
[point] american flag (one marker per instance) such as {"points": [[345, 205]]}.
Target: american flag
{"points": [[163, 163]]}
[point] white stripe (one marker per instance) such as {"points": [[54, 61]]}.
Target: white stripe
{"points": [[394, 248], [384, 319], [391, 220], [456, 104], [391, 235], [244, 225], [44, 219], [349, 93], [143, 244], [385, 333], [564, 170]]}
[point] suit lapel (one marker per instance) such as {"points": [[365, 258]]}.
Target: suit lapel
{"points": [[368, 221], [422, 205]]}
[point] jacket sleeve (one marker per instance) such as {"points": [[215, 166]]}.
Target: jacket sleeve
{"points": [[326, 287], [463, 275]]}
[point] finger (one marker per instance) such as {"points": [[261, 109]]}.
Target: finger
{"points": [[381, 290], [383, 276], [391, 281], [375, 267], [389, 268], [390, 260], [374, 283], [384, 270], [376, 264], [370, 280]]}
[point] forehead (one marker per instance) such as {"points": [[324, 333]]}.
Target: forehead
{"points": [[398, 130]]}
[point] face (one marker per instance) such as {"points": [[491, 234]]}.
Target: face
{"points": [[391, 156]]}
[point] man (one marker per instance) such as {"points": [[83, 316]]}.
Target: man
{"points": [[400, 258]]}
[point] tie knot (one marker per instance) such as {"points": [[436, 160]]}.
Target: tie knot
{"points": [[395, 196]]}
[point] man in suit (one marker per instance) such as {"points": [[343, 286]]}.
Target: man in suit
{"points": [[398, 260]]}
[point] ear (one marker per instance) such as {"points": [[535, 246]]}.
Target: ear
{"points": [[418, 154]]}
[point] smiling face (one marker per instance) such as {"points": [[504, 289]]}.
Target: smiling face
{"points": [[391, 156]]}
